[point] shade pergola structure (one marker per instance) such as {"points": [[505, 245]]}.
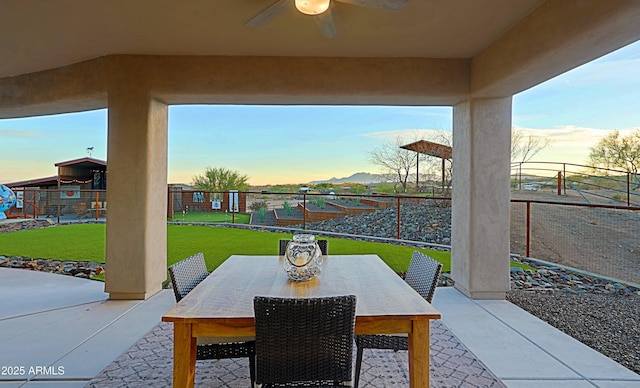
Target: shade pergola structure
{"points": [[429, 148]]}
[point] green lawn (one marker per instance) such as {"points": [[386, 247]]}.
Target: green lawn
{"points": [[87, 242], [222, 217]]}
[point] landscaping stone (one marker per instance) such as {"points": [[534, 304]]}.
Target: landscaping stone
{"points": [[80, 269], [426, 221], [17, 225]]}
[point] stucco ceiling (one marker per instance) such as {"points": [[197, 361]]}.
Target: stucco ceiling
{"points": [[39, 35]]}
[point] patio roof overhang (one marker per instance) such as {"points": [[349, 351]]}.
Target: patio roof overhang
{"points": [[433, 52], [138, 57]]}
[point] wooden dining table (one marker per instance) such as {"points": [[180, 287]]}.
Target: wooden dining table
{"points": [[222, 305]]}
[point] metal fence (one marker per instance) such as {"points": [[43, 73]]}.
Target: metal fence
{"points": [[588, 184], [60, 205], [598, 238], [423, 219], [601, 239]]}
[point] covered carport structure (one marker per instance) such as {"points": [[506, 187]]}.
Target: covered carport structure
{"points": [[429, 148], [137, 58]]}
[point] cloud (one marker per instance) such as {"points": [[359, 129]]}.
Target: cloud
{"points": [[571, 135], [569, 143], [408, 134], [20, 134]]}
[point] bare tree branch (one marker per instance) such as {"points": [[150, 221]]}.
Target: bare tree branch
{"points": [[524, 147]]}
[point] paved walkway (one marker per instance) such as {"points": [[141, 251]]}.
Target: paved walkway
{"points": [[148, 363], [58, 331]]}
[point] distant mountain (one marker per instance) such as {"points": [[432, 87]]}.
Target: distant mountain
{"points": [[359, 177]]}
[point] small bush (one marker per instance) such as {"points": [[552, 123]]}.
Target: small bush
{"points": [[257, 205], [620, 197], [287, 208]]}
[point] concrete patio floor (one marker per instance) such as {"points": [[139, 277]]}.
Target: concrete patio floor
{"points": [[58, 331]]}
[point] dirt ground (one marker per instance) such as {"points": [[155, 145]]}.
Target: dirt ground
{"points": [[602, 241]]}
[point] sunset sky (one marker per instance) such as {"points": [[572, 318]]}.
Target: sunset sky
{"points": [[298, 144]]}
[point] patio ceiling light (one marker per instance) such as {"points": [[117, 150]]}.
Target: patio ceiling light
{"points": [[312, 7]]}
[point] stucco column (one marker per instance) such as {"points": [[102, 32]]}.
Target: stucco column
{"points": [[136, 252], [480, 197]]}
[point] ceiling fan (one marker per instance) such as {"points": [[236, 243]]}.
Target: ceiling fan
{"points": [[320, 10]]}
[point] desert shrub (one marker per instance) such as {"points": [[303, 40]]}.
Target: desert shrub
{"points": [[319, 202], [287, 208], [620, 197], [257, 205]]}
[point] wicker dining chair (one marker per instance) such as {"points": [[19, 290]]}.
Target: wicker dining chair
{"points": [[422, 276], [323, 244], [304, 341], [185, 276]]}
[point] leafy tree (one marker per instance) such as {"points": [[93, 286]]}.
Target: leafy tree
{"points": [[323, 186], [618, 152], [220, 179], [384, 188], [358, 188]]}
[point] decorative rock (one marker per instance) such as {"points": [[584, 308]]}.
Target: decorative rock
{"points": [[550, 278], [84, 269], [423, 222]]}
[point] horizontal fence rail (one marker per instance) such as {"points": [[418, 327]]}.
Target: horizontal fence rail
{"points": [[591, 184]]}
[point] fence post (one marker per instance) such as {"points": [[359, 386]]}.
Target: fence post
{"points": [[35, 204], [528, 229], [520, 176], [304, 211], [398, 198], [628, 188], [564, 178], [58, 203], [559, 182], [97, 205], [233, 207]]}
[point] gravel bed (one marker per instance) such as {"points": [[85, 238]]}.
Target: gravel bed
{"points": [[608, 323], [426, 221]]}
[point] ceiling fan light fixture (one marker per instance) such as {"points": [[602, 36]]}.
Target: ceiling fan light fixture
{"points": [[312, 7]]}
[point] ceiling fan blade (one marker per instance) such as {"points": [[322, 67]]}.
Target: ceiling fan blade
{"points": [[269, 13], [387, 5], [326, 24]]}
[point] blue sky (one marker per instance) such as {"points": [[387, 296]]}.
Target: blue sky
{"points": [[298, 144]]}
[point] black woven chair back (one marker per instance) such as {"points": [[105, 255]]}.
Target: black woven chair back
{"points": [[304, 340], [187, 274], [423, 274], [323, 244]]}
